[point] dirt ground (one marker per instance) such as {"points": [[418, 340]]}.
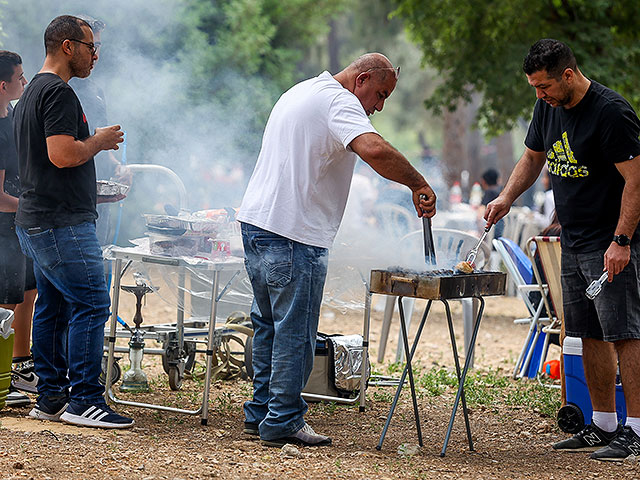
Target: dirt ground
{"points": [[510, 442]]}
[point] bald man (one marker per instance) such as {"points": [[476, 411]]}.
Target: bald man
{"points": [[290, 214]]}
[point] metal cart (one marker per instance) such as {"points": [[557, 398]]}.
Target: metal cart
{"points": [[172, 335]]}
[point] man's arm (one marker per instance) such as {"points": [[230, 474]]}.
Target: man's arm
{"points": [[523, 176], [617, 257], [392, 165], [8, 203], [66, 152]]}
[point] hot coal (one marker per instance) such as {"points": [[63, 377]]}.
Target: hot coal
{"points": [[442, 272]]}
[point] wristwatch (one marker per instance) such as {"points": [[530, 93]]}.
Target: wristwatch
{"points": [[621, 240]]}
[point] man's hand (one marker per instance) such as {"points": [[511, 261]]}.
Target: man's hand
{"points": [[615, 259], [108, 138], [123, 174], [496, 209], [425, 207], [109, 198]]}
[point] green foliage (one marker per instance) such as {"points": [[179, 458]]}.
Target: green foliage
{"points": [[479, 46], [254, 37]]}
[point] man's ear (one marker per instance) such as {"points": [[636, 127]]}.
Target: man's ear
{"points": [[569, 75], [66, 47], [360, 79], [3, 85]]}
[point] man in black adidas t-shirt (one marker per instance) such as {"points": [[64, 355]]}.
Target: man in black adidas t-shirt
{"points": [[588, 136], [55, 223]]}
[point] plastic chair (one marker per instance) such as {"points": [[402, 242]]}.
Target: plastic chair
{"points": [[394, 220], [521, 273], [452, 246]]}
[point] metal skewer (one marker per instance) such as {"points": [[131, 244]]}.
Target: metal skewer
{"points": [[596, 286]]}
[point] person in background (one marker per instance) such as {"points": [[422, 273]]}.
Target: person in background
{"points": [[548, 208], [55, 223], [17, 283], [289, 216], [587, 134], [490, 191], [94, 106]]}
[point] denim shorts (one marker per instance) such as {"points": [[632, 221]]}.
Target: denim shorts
{"points": [[615, 313], [16, 270]]}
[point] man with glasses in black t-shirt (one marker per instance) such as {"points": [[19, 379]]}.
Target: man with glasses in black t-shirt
{"points": [[588, 136], [55, 223]]}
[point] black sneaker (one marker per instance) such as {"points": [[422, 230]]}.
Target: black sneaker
{"points": [[305, 437], [49, 408], [588, 439], [251, 428], [23, 376], [100, 416], [16, 398], [626, 443]]}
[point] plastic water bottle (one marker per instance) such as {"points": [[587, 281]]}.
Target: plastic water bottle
{"points": [[455, 194], [475, 197]]}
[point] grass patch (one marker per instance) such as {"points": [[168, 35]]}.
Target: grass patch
{"points": [[488, 388]]}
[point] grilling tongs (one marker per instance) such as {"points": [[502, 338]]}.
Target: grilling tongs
{"points": [[471, 256], [596, 286], [427, 234]]}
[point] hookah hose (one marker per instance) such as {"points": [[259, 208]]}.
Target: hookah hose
{"points": [[226, 364], [123, 161]]}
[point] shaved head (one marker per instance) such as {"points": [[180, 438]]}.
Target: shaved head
{"points": [[373, 61]]}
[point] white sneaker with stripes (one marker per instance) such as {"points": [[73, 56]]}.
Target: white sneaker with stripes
{"points": [[99, 416]]}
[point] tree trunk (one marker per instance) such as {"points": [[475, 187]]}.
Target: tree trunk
{"points": [[504, 152], [333, 48], [454, 149]]}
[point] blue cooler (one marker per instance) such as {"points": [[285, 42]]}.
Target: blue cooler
{"points": [[577, 412]]}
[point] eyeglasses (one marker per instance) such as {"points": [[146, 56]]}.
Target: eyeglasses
{"points": [[93, 46], [396, 70]]}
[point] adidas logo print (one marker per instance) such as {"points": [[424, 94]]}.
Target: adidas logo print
{"points": [[94, 413]]}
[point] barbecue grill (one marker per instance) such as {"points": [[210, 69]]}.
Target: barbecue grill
{"points": [[437, 284], [441, 285]]}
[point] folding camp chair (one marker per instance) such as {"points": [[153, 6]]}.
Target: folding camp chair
{"points": [[521, 272], [549, 251]]}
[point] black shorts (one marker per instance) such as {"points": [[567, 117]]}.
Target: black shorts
{"points": [[615, 313], [16, 270]]}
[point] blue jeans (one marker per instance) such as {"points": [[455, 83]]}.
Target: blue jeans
{"points": [[287, 279], [71, 310]]}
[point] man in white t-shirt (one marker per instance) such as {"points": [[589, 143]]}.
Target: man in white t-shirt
{"points": [[290, 214]]}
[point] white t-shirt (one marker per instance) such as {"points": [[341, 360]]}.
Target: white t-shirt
{"points": [[300, 185]]}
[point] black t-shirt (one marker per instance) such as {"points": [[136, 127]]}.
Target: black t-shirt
{"points": [[490, 194], [51, 196], [8, 156], [582, 146]]}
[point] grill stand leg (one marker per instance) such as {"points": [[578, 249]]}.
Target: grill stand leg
{"points": [[407, 369], [461, 378], [362, 397], [456, 361]]}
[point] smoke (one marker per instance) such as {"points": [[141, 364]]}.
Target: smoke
{"points": [[380, 230], [207, 128], [156, 93]]}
